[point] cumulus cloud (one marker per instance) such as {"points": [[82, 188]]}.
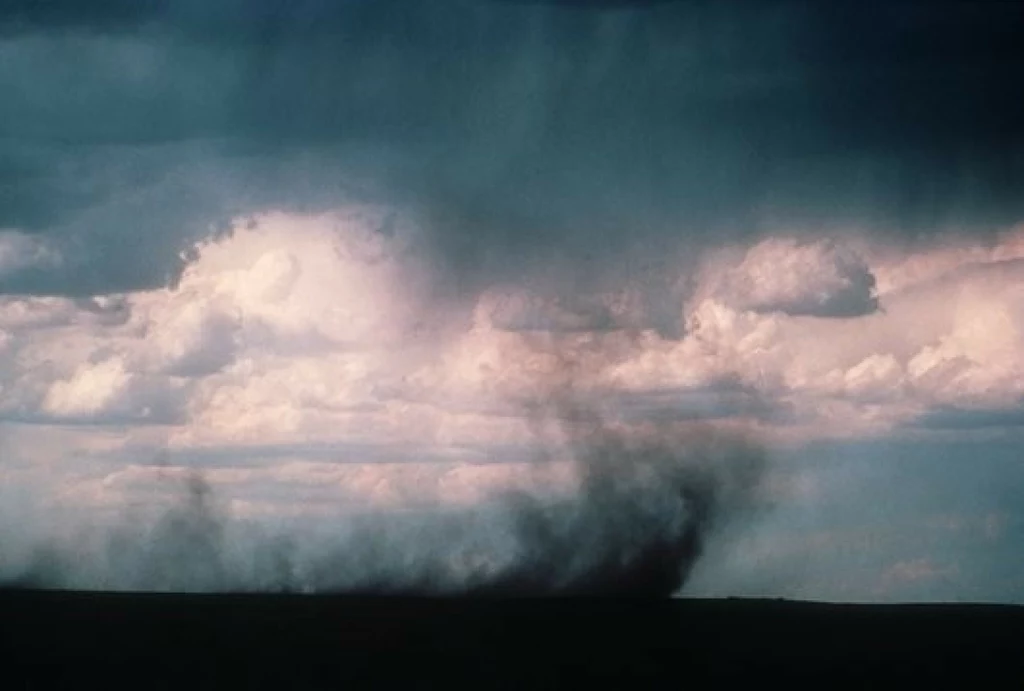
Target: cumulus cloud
{"points": [[328, 328], [817, 278], [139, 355], [950, 335]]}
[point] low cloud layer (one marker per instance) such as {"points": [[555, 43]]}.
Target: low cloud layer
{"points": [[632, 523]]}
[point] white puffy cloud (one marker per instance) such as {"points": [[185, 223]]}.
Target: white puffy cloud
{"points": [[949, 331], [91, 388], [820, 278]]}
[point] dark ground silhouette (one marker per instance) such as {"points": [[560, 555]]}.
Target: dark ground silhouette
{"points": [[52, 639]]}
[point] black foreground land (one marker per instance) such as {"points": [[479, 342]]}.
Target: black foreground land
{"points": [[287, 641]]}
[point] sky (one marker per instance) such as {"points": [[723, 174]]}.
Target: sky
{"points": [[695, 298]]}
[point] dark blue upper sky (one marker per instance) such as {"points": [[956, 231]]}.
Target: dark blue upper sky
{"points": [[517, 130]]}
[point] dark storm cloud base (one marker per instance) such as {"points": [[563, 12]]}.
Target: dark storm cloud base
{"points": [[573, 134], [319, 642]]}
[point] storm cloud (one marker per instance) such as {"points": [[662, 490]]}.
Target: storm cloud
{"points": [[524, 136]]}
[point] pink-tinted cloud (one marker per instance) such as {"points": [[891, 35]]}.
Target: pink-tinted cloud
{"points": [[320, 332]]}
